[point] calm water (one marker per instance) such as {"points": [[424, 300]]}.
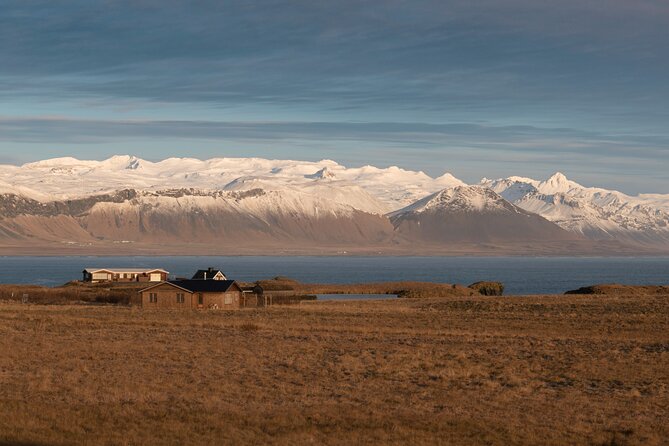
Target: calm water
{"points": [[520, 275]]}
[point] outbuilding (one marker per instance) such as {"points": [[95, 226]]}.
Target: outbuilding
{"points": [[186, 294], [124, 275]]}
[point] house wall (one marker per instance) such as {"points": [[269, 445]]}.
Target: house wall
{"points": [[167, 298], [157, 277], [219, 300]]}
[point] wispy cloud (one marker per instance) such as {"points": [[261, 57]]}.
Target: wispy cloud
{"points": [[580, 82], [415, 57]]}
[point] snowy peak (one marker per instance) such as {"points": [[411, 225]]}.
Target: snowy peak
{"points": [[116, 162], [476, 199], [558, 183], [511, 189], [323, 174], [448, 180], [594, 212]]}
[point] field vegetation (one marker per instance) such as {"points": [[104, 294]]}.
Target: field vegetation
{"points": [[410, 289], [72, 293], [284, 291], [544, 370]]}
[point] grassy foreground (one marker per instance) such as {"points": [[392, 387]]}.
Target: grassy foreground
{"points": [[457, 370]]}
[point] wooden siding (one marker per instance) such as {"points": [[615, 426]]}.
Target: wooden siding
{"points": [[166, 297]]}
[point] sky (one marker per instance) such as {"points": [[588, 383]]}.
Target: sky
{"points": [[487, 88]]}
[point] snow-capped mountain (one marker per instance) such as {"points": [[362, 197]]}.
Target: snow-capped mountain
{"points": [[474, 214], [125, 198], [63, 178], [251, 217], [594, 212], [460, 199]]}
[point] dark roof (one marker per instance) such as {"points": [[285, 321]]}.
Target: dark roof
{"points": [[211, 272], [203, 286]]}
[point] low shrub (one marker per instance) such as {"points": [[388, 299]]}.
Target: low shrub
{"points": [[488, 288]]}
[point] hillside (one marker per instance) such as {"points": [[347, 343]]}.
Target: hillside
{"points": [[473, 214]]}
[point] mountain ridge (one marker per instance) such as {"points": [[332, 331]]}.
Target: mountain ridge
{"points": [[304, 202]]}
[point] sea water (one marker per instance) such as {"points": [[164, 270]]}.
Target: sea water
{"points": [[520, 275]]}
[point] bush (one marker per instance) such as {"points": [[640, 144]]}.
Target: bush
{"points": [[488, 288]]}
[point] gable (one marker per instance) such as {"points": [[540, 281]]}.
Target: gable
{"points": [[164, 286], [209, 274], [235, 287]]}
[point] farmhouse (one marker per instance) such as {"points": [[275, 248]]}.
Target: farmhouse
{"points": [[124, 275], [185, 294], [209, 274]]}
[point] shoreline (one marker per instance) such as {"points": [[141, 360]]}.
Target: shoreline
{"points": [[450, 254], [537, 248]]}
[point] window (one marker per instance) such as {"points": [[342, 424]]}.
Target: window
{"points": [[180, 298], [153, 297], [228, 300], [200, 299]]}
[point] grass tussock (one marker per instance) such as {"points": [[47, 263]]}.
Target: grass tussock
{"points": [[578, 370]]}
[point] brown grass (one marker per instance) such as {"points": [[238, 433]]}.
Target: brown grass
{"points": [[402, 288], [622, 290], [121, 294], [478, 370]]}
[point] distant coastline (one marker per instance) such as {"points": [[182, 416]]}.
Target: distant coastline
{"points": [[543, 249]]}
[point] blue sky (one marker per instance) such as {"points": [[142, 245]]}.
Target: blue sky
{"points": [[487, 88]]}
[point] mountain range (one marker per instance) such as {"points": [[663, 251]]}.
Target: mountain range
{"points": [[249, 205]]}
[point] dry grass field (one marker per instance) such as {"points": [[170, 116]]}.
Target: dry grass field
{"points": [[553, 370]]}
